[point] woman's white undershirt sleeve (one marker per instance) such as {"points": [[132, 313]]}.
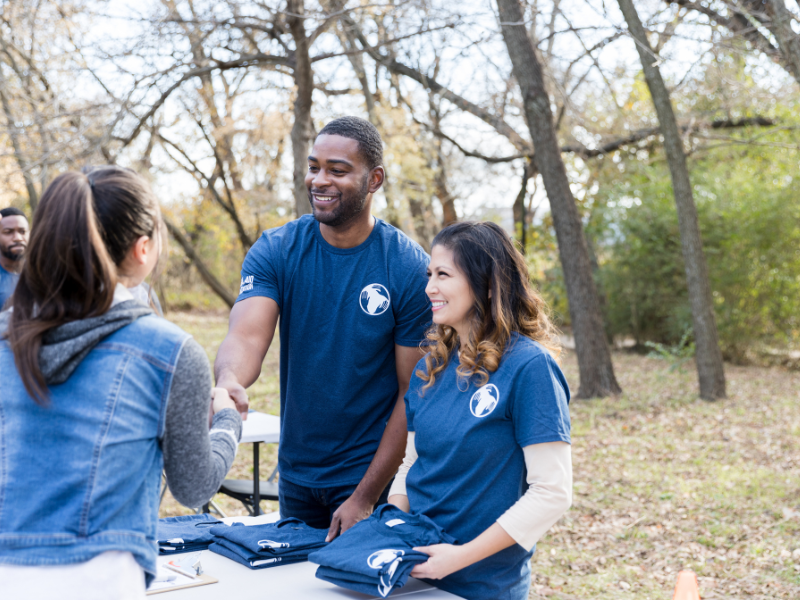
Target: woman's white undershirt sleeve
{"points": [[548, 497], [399, 484]]}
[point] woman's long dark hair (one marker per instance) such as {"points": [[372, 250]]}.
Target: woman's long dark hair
{"points": [[82, 230], [505, 302]]}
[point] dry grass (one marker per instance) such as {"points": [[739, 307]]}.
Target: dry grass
{"points": [[663, 482]]}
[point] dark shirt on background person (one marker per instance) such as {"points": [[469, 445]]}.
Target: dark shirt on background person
{"points": [[14, 233], [8, 281]]}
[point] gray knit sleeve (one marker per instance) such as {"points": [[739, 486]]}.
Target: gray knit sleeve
{"points": [[196, 460]]}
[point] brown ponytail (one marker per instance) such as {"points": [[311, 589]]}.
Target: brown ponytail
{"points": [[82, 229]]}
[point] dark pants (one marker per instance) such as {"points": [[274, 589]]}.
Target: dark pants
{"points": [[315, 506]]}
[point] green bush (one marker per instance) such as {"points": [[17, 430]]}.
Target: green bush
{"points": [[749, 218]]}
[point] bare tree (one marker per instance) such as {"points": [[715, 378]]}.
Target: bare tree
{"points": [[594, 357], [709, 357], [765, 24], [302, 130]]}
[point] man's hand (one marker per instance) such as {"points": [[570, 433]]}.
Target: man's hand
{"points": [[221, 400], [238, 394], [444, 560], [348, 514]]}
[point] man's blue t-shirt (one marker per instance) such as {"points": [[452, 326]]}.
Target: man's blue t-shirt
{"points": [[8, 281], [471, 467], [341, 313]]}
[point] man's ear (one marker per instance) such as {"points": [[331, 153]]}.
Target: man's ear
{"points": [[376, 178]]}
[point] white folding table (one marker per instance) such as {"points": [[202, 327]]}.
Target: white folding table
{"points": [[257, 429]]}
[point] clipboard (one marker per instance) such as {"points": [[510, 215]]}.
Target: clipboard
{"points": [[180, 583]]}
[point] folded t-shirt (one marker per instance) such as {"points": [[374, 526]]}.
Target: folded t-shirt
{"points": [[251, 560], [189, 533], [287, 537], [377, 554]]}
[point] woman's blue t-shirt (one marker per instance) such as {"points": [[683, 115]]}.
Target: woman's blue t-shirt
{"points": [[471, 467]]}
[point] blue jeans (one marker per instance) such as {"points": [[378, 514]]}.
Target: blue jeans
{"points": [[315, 506]]}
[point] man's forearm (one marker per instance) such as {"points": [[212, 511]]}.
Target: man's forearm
{"points": [[388, 457], [235, 362]]}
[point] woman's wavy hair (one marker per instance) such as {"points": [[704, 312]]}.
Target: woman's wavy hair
{"points": [[504, 303], [82, 230]]}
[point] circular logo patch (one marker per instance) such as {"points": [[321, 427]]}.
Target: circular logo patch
{"points": [[374, 299], [484, 401], [381, 558]]}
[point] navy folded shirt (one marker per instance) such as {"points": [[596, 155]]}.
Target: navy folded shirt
{"points": [[377, 554], [252, 560], [189, 533], [271, 544]]}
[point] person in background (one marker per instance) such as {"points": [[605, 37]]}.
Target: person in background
{"points": [[349, 290], [488, 453], [14, 232], [97, 396]]}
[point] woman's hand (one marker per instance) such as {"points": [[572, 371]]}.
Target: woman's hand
{"points": [[220, 400], [447, 558], [444, 560]]}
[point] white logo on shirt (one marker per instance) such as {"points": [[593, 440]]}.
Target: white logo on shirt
{"points": [[271, 544], [484, 401], [246, 285], [381, 558], [374, 299]]}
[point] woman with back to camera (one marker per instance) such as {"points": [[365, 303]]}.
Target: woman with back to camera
{"points": [[96, 395], [488, 454]]}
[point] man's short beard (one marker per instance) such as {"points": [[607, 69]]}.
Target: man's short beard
{"points": [[12, 256], [349, 206]]}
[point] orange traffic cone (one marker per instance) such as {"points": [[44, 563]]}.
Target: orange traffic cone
{"points": [[686, 588]]}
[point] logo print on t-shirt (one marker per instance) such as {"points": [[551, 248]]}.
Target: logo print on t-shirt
{"points": [[271, 544], [380, 560], [246, 285], [374, 299], [484, 401]]}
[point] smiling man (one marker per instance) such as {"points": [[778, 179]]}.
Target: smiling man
{"points": [[350, 293], [13, 241]]}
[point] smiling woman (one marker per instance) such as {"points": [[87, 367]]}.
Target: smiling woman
{"points": [[487, 413]]}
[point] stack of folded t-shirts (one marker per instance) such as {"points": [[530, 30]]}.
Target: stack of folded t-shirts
{"points": [[377, 554], [185, 534], [270, 545]]}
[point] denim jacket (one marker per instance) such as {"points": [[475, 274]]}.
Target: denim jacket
{"points": [[81, 475]]}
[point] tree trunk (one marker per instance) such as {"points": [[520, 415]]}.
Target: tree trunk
{"points": [[301, 129], [519, 205], [422, 219], [215, 284], [357, 62], [788, 40], [446, 199], [13, 133], [709, 358], [594, 357]]}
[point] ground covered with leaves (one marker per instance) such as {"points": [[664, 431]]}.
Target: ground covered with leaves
{"points": [[663, 482]]}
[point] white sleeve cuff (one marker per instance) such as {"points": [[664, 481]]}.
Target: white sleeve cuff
{"points": [[548, 497], [399, 484]]}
